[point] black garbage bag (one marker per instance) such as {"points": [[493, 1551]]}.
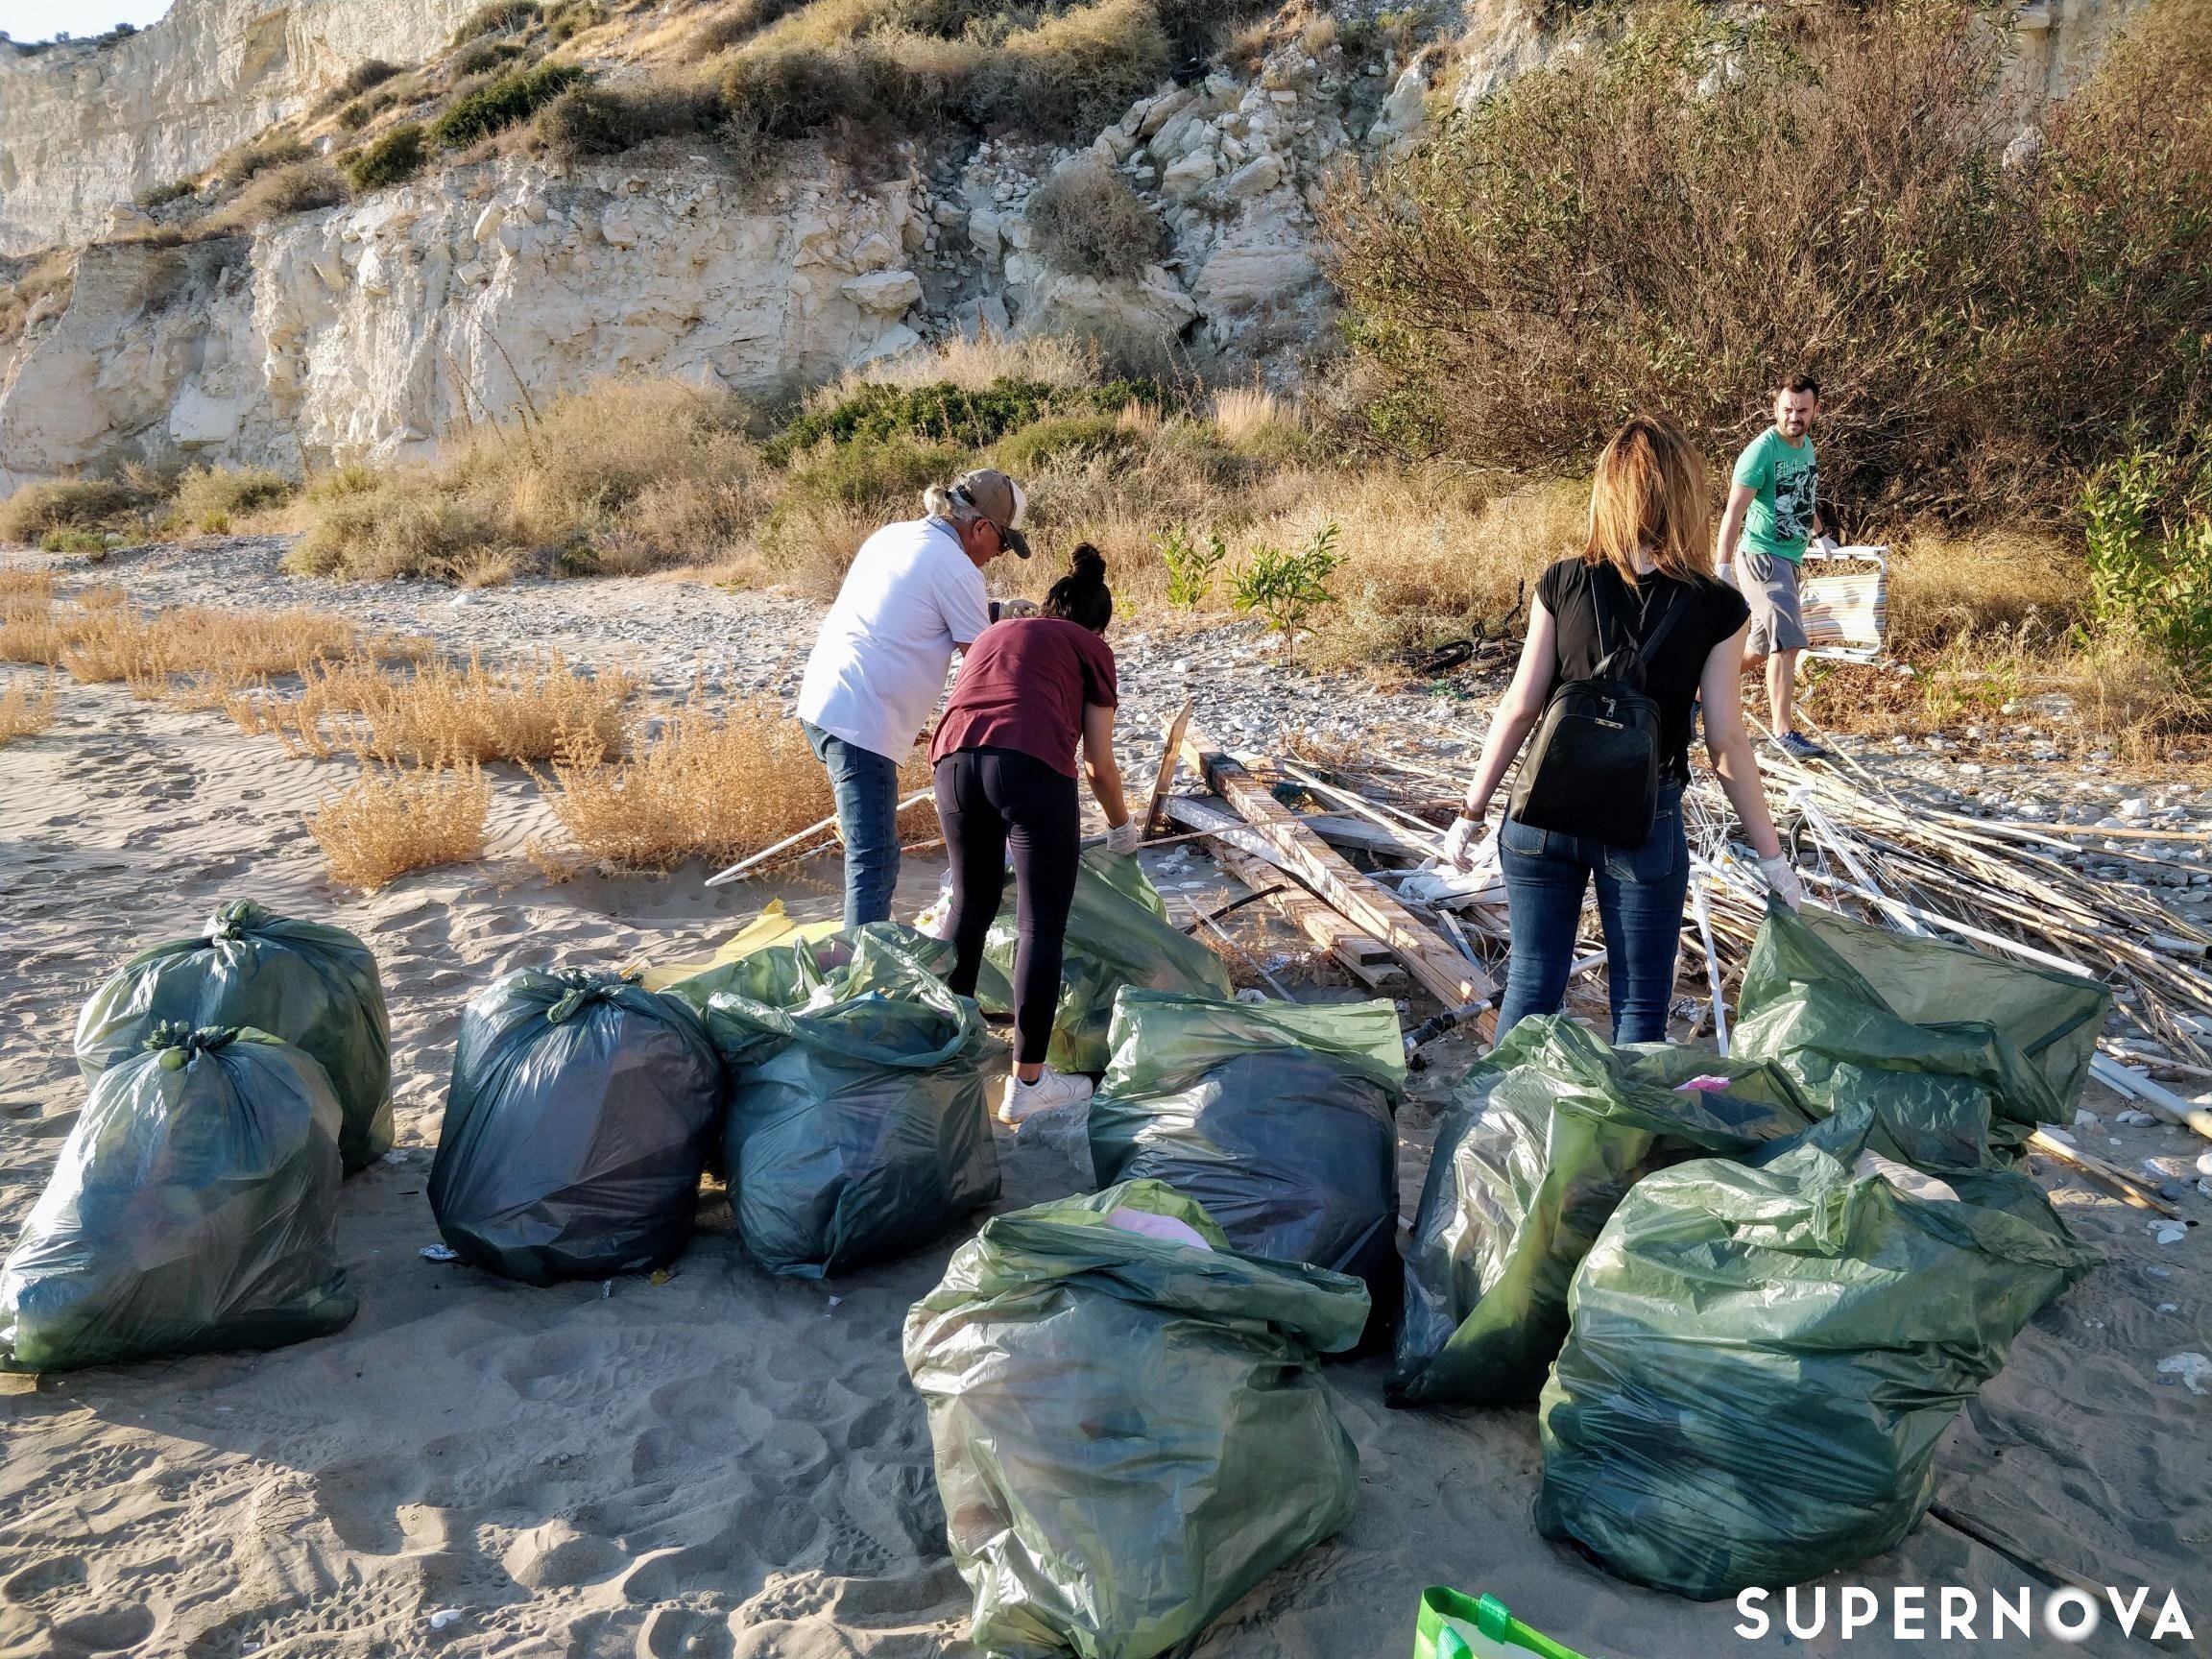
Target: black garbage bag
{"points": [[1947, 1093], [576, 1127], [1764, 1358], [314, 986], [1117, 935], [1277, 1117], [1129, 1419], [194, 1207], [1545, 1136], [856, 1128]]}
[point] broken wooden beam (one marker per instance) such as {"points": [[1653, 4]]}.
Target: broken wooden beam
{"points": [[1367, 960], [1434, 964], [1170, 753]]}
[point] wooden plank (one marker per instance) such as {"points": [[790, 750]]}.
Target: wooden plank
{"points": [[1367, 960], [1170, 753], [1435, 966]]}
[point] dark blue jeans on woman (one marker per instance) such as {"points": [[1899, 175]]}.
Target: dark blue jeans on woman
{"points": [[1640, 891]]}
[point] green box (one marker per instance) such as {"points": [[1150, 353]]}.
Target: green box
{"points": [[1456, 1626]]}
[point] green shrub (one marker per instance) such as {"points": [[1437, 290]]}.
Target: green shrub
{"points": [[362, 78], [1078, 71], [2151, 559], [1287, 589], [1191, 563], [66, 504], [500, 16], [506, 101], [362, 110], [588, 120], [873, 473], [1675, 216], [209, 498], [393, 159], [162, 195], [482, 57], [94, 542], [1030, 448], [951, 415], [572, 17], [1088, 221]]}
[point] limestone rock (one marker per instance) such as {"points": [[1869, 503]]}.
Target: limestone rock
{"points": [[889, 292], [1190, 174]]}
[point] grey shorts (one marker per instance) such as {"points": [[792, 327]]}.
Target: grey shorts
{"points": [[1769, 587]]}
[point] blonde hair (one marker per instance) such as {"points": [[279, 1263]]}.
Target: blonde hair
{"points": [[1649, 496]]}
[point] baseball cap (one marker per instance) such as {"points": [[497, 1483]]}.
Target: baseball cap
{"points": [[999, 499]]}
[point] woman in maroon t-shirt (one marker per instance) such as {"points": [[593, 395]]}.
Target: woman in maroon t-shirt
{"points": [[1032, 691]]}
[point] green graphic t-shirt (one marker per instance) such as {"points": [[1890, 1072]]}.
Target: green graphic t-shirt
{"points": [[1786, 479]]}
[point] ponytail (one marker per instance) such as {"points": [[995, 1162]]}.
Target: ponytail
{"points": [[1082, 596]]}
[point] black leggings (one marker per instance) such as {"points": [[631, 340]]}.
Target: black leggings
{"points": [[985, 798]]}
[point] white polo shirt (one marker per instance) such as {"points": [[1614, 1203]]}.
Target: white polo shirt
{"points": [[911, 597]]}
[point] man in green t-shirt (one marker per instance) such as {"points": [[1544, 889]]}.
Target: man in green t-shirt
{"points": [[1771, 511]]}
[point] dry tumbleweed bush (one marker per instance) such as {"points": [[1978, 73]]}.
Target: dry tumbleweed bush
{"points": [[704, 788], [393, 821], [21, 714]]}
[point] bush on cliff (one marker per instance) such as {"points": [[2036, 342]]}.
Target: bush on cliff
{"points": [[391, 159], [504, 102]]}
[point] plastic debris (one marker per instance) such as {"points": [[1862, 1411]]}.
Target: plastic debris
{"points": [[439, 1252], [2191, 1368], [444, 1617]]}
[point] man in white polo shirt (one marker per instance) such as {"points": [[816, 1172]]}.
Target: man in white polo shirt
{"points": [[913, 597]]}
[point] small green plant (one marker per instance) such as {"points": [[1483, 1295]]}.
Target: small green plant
{"points": [[162, 195], [1287, 589], [393, 159], [1191, 563], [510, 99], [2151, 558], [91, 542], [572, 17], [499, 17]]}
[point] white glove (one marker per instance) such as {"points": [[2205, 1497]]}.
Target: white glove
{"points": [[1467, 844], [1825, 545], [1782, 877], [1012, 608], [1125, 837]]}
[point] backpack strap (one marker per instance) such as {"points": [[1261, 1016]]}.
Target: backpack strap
{"points": [[1643, 649], [1673, 614]]}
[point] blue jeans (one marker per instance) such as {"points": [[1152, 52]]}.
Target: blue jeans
{"points": [[1641, 890], [866, 786]]}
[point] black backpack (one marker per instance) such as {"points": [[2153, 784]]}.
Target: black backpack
{"points": [[1592, 768]]}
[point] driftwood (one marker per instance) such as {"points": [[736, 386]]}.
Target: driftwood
{"points": [[1170, 753], [1434, 964]]}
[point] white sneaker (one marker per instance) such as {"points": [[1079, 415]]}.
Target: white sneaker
{"points": [[1021, 1101]]}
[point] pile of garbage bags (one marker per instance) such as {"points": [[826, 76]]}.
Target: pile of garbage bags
{"points": [[1129, 1420], [576, 1127], [194, 1207], [1763, 1359], [856, 1128], [1117, 935], [1958, 1055], [314, 986], [1278, 1117], [1544, 1138]]}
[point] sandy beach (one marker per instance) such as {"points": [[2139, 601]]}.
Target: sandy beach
{"points": [[727, 1464]]}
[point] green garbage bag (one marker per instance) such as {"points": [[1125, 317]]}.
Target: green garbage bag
{"points": [[1545, 1136], [1278, 1117], [1456, 1626], [1117, 935], [1130, 1426], [856, 1127], [576, 1127], [1763, 1359], [789, 976], [312, 985], [1946, 1094], [195, 1207]]}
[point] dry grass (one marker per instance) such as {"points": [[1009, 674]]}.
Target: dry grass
{"points": [[394, 821], [1945, 584], [625, 477], [706, 788], [21, 714], [216, 500], [24, 594], [444, 714], [111, 642], [1242, 413]]}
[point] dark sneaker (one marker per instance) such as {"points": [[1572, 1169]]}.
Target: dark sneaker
{"points": [[1800, 747]]}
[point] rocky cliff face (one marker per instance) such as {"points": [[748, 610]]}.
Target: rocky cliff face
{"points": [[370, 331], [85, 127]]}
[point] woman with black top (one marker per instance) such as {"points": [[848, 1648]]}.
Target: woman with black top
{"points": [[1646, 567]]}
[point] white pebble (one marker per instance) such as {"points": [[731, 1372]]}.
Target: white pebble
{"points": [[2170, 1232]]}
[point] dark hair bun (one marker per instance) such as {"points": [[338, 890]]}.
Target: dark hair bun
{"points": [[1087, 563]]}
